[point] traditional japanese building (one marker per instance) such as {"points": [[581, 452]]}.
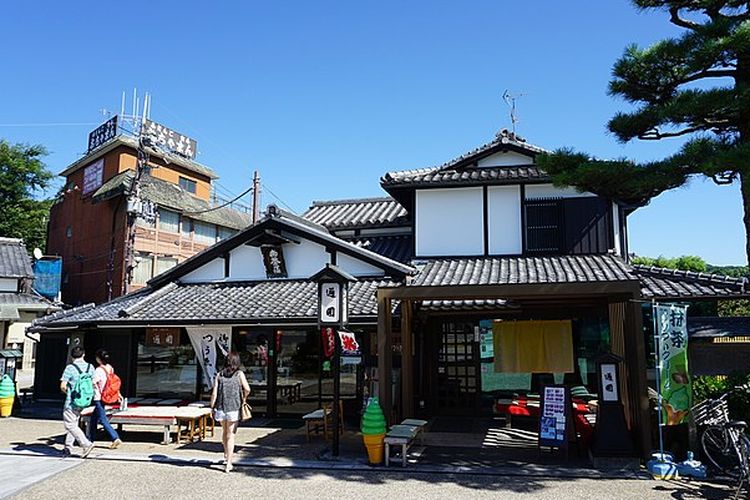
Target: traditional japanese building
{"points": [[476, 281], [173, 209]]}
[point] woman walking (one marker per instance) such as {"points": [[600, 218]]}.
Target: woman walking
{"points": [[103, 375], [229, 392]]}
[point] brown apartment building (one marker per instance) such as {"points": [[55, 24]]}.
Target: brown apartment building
{"points": [[174, 216]]}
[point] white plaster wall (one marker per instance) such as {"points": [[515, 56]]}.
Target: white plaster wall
{"points": [[246, 263], [449, 222], [356, 267], [8, 285], [305, 259], [505, 159], [504, 218], [550, 191], [616, 225], [213, 270]]}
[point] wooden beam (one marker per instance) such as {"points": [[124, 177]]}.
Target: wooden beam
{"points": [[407, 360], [385, 356], [625, 289], [635, 351]]}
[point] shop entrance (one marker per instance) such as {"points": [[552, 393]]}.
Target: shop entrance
{"points": [[458, 370]]}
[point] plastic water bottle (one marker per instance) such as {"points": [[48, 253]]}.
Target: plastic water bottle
{"points": [[124, 404]]}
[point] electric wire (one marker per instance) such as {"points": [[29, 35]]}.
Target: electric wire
{"points": [[188, 212]]}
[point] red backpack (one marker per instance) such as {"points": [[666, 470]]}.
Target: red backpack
{"points": [[111, 392]]}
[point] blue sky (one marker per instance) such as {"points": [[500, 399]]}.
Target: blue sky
{"points": [[324, 97]]}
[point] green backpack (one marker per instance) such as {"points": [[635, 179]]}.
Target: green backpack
{"points": [[83, 389]]}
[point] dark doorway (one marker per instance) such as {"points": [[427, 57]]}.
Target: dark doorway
{"points": [[458, 370], [52, 356]]}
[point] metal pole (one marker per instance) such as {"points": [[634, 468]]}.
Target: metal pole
{"points": [[336, 390], [657, 353]]}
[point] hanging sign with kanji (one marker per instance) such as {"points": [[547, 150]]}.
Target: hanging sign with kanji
{"points": [[330, 302], [273, 260], [672, 339], [328, 338]]}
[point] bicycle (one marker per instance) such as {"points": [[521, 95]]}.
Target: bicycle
{"points": [[725, 444]]}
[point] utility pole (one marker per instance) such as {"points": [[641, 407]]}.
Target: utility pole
{"points": [[256, 197]]}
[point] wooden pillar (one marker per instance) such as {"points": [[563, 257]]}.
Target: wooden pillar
{"points": [[618, 342], [407, 360], [635, 356], [385, 356]]}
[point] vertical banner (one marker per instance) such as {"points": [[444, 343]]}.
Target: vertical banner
{"points": [[206, 341], [672, 339]]}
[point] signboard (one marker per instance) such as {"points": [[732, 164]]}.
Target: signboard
{"points": [[330, 302], [103, 133], [672, 339], [328, 338], [169, 139], [486, 342], [92, 176], [47, 276], [609, 382], [555, 421], [273, 260], [349, 344], [162, 337]]}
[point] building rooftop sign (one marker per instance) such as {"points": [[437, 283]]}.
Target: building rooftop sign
{"points": [[103, 133], [169, 139]]}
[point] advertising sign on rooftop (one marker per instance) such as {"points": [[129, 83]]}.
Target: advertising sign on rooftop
{"points": [[103, 133], [93, 175], [169, 139]]}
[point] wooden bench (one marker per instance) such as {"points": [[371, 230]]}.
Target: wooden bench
{"points": [[322, 419], [404, 435], [194, 419]]}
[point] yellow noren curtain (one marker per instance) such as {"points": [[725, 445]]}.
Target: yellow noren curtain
{"points": [[533, 346]]}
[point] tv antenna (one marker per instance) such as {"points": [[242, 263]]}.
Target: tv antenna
{"points": [[510, 100]]}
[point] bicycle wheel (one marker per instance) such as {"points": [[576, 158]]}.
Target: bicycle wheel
{"points": [[719, 451]]}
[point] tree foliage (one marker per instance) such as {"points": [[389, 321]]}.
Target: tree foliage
{"points": [[696, 85], [23, 177], [685, 262]]}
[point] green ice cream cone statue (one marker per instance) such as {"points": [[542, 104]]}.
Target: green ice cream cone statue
{"points": [[373, 431], [7, 395]]}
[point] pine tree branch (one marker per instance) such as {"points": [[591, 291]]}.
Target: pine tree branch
{"points": [[655, 134], [675, 19], [708, 73]]}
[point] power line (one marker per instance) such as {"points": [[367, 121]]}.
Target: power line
{"points": [[186, 212], [49, 124], [265, 186]]}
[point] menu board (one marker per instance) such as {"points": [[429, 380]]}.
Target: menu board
{"points": [[555, 417]]}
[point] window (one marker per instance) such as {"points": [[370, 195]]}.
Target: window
{"points": [[188, 185], [187, 227], [165, 264], [205, 234], [169, 221], [544, 226], [144, 268], [225, 232]]}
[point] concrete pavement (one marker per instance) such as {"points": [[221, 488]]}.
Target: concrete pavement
{"points": [[19, 472], [193, 480]]}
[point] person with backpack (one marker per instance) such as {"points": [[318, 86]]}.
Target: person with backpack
{"points": [[77, 384], [106, 391]]}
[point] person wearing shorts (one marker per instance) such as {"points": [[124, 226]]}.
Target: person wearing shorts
{"points": [[229, 391]]}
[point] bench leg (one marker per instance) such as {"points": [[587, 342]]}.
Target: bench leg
{"points": [[403, 455], [166, 439], [387, 454]]}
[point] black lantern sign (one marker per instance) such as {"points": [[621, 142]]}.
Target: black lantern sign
{"points": [[333, 291], [611, 435]]}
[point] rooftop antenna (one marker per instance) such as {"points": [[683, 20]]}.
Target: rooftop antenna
{"points": [[510, 100]]}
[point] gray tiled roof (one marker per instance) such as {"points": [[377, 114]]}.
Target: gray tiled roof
{"points": [[14, 259], [661, 283], [462, 170], [12, 303], [398, 247], [357, 213], [282, 300], [523, 270], [172, 196], [712, 326]]}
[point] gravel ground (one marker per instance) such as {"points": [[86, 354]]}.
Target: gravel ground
{"points": [[151, 480]]}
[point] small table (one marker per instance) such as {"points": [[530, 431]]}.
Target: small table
{"points": [[291, 389]]}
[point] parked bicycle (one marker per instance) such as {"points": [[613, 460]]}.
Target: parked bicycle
{"points": [[725, 443]]}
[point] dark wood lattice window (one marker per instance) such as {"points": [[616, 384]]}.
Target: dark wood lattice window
{"points": [[545, 226]]}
